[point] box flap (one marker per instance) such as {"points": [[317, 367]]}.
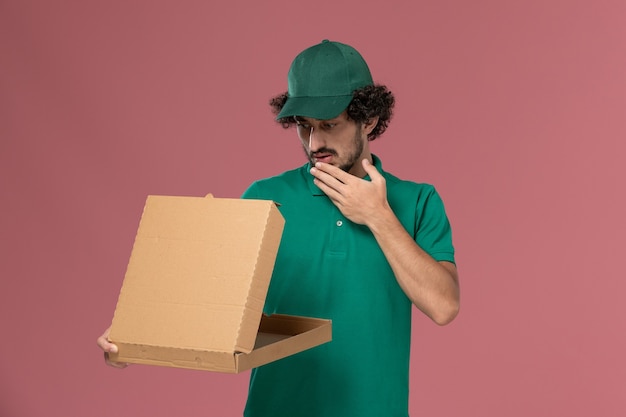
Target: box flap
{"points": [[198, 273]]}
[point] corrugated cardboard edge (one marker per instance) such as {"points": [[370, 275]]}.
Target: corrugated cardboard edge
{"points": [[180, 357], [264, 268]]}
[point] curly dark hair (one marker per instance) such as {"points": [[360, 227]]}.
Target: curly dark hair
{"points": [[367, 103]]}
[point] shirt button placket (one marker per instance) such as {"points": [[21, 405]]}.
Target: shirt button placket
{"points": [[338, 232]]}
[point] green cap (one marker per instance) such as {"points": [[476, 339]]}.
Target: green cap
{"points": [[322, 79]]}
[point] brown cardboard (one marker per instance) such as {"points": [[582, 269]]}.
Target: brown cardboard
{"points": [[195, 286]]}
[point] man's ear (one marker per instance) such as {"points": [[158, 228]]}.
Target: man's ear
{"points": [[369, 125]]}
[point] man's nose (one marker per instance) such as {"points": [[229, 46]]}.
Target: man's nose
{"points": [[316, 140]]}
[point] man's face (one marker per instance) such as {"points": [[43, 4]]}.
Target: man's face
{"points": [[339, 141]]}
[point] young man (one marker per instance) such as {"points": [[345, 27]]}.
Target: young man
{"points": [[360, 247]]}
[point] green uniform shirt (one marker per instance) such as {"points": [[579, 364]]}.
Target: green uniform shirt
{"points": [[329, 267]]}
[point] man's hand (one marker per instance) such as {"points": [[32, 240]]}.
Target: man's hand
{"points": [[108, 347], [357, 199]]}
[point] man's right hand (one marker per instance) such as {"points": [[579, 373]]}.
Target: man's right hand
{"points": [[107, 346]]}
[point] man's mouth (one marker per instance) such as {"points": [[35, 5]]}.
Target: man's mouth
{"points": [[325, 157]]}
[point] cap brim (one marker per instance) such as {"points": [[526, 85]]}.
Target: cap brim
{"points": [[321, 108]]}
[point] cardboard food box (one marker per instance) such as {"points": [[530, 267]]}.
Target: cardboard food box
{"points": [[195, 286]]}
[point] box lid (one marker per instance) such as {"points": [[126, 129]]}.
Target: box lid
{"points": [[198, 273]]}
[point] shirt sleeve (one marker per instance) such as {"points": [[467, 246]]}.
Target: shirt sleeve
{"points": [[433, 233], [252, 192]]}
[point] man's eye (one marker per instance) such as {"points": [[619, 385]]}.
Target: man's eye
{"points": [[329, 125], [303, 125]]}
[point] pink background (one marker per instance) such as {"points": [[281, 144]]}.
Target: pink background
{"points": [[516, 111]]}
